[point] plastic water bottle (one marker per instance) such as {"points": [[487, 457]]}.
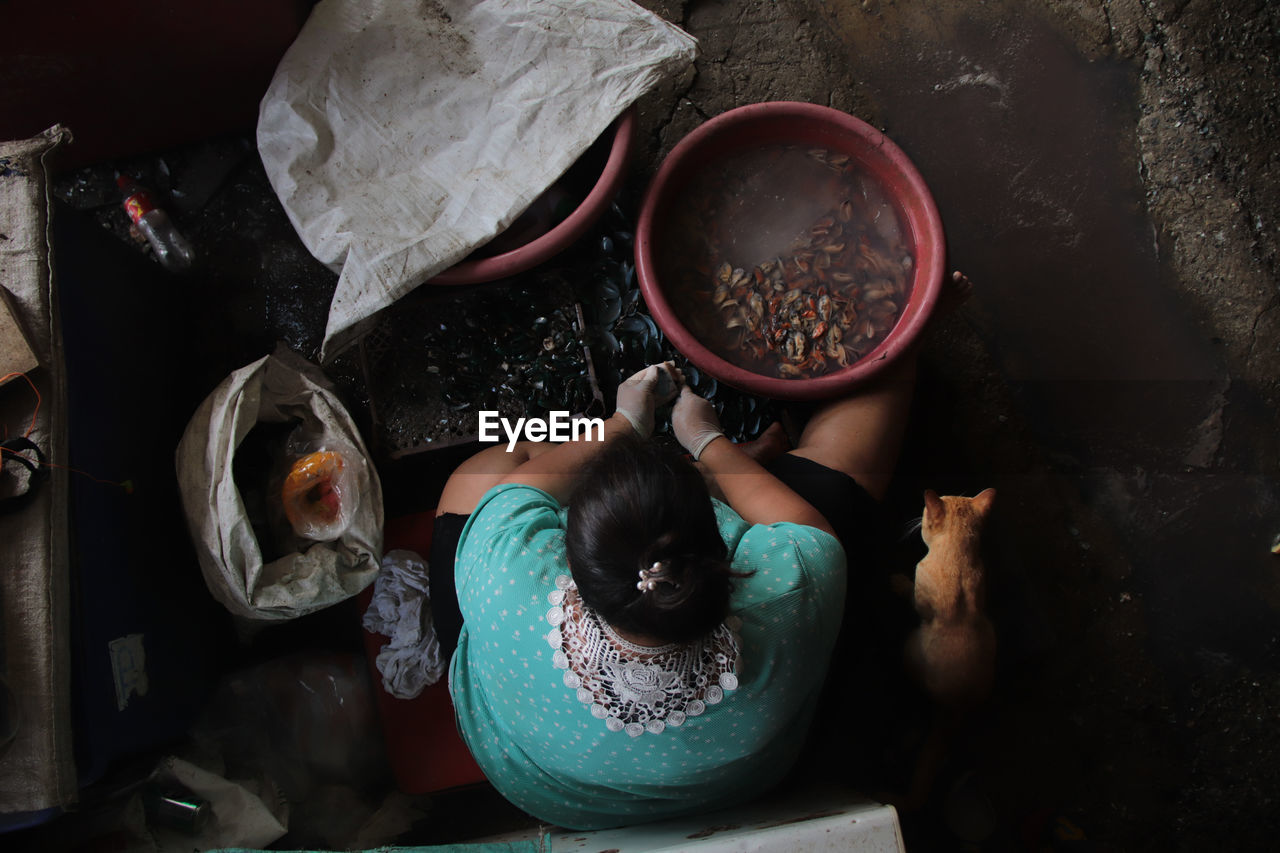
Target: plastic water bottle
{"points": [[171, 248]]}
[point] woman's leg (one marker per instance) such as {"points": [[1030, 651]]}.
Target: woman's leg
{"points": [[862, 434], [468, 483]]}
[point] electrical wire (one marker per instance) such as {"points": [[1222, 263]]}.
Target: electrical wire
{"points": [[127, 485]]}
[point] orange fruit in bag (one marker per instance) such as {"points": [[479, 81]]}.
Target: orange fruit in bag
{"points": [[312, 499]]}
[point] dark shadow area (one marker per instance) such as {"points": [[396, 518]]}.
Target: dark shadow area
{"points": [[1134, 579], [148, 640]]}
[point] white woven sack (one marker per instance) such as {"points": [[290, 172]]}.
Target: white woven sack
{"points": [[278, 388]]}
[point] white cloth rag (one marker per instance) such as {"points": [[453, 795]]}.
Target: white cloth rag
{"points": [[401, 610]]}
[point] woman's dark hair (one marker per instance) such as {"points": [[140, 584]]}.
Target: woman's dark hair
{"points": [[639, 503]]}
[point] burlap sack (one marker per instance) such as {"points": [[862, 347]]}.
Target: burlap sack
{"points": [[37, 769]]}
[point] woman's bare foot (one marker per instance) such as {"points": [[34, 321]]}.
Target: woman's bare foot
{"points": [[956, 289]]}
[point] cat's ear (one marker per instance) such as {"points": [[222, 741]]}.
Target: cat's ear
{"points": [[983, 500], [933, 506]]}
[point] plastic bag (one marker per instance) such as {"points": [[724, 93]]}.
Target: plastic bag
{"points": [[320, 492], [251, 560]]}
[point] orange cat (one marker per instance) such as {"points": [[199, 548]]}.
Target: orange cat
{"points": [[952, 653]]}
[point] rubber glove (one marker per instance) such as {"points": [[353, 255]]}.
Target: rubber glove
{"points": [[643, 392], [695, 423]]}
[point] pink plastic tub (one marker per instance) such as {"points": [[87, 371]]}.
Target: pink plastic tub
{"points": [[617, 143], [781, 123]]}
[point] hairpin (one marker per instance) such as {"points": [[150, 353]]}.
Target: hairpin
{"points": [[654, 575]]}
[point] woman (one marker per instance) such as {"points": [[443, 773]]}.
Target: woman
{"points": [[651, 651]]}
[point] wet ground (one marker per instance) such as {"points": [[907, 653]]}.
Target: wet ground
{"points": [[1106, 173], [1111, 379]]}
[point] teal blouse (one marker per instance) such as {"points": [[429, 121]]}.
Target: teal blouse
{"points": [[633, 741]]}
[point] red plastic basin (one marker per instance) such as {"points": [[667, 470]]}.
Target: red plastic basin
{"points": [[790, 123], [615, 148]]}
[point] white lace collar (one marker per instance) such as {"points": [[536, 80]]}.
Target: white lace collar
{"points": [[633, 688]]}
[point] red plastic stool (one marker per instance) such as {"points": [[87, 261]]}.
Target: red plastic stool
{"points": [[424, 748]]}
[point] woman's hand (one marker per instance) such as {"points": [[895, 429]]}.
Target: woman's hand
{"points": [[644, 391], [754, 493], [694, 422], [556, 471]]}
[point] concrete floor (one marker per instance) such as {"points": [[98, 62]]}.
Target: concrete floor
{"points": [[1106, 174]]}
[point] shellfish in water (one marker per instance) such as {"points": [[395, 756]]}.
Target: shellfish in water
{"points": [[827, 300]]}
